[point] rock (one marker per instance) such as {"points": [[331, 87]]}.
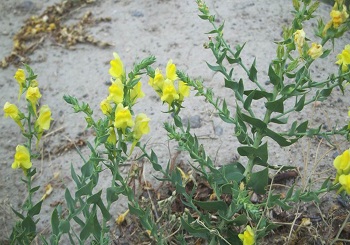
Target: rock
{"points": [[195, 121], [218, 130], [136, 13]]}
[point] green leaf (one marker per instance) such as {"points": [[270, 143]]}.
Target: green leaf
{"points": [[276, 106], [55, 222], [64, 226], [259, 181], [216, 68], [69, 200], [257, 123], [95, 198], [291, 66], [300, 104], [248, 100], [196, 232], [279, 120], [278, 138], [227, 173], [239, 49], [87, 169], [211, 206], [105, 213], [274, 78], [85, 190], [112, 194], [302, 127], [253, 72], [34, 189], [35, 209], [154, 161], [240, 220], [259, 94]]}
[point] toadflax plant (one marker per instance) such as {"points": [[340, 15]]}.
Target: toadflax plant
{"points": [[33, 122], [227, 215]]}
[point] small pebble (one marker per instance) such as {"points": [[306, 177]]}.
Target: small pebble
{"points": [[136, 13], [195, 121], [218, 130]]}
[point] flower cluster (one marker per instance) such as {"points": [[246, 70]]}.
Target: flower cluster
{"points": [[248, 237], [342, 165], [42, 121], [338, 15], [165, 85], [123, 94], [314, 52], [344, 58]]}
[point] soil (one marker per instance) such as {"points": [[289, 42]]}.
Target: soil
{"points": [[168, 30]]}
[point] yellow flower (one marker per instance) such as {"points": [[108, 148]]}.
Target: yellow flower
{"points": [[171, 71], [169, 92], [136, 92], [184, 90], [121, 217], [11, 110], [342, 163], [344, 180], [141, 126], [339, 17], [44, 119], [20, 76], [299, 40], [112, 138], [315, 51], [117, 67], [116, 91], [123, 118], [106, 107], [248, 237], [158, 81], [344, 58], [22, 158], [33, 95]]}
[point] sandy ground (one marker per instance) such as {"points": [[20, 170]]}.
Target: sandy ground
{"points": [[166, 29]]}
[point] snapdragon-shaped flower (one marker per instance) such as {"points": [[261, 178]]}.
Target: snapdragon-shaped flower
{"points": [[171, 70], [136, 92], [121, 218], [184, 91], [123, 118], [342, 164], [299, 40], [344, 180], [22, 158], [248, 237], [315, 51], [116, 91], [105, 107], [344, 58], [11, 110], [169, 92], [339, 15], [33, 95], [157, 82], [141, 126], [43, 122], [117, 67], [112, 138], [20, 77]]}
